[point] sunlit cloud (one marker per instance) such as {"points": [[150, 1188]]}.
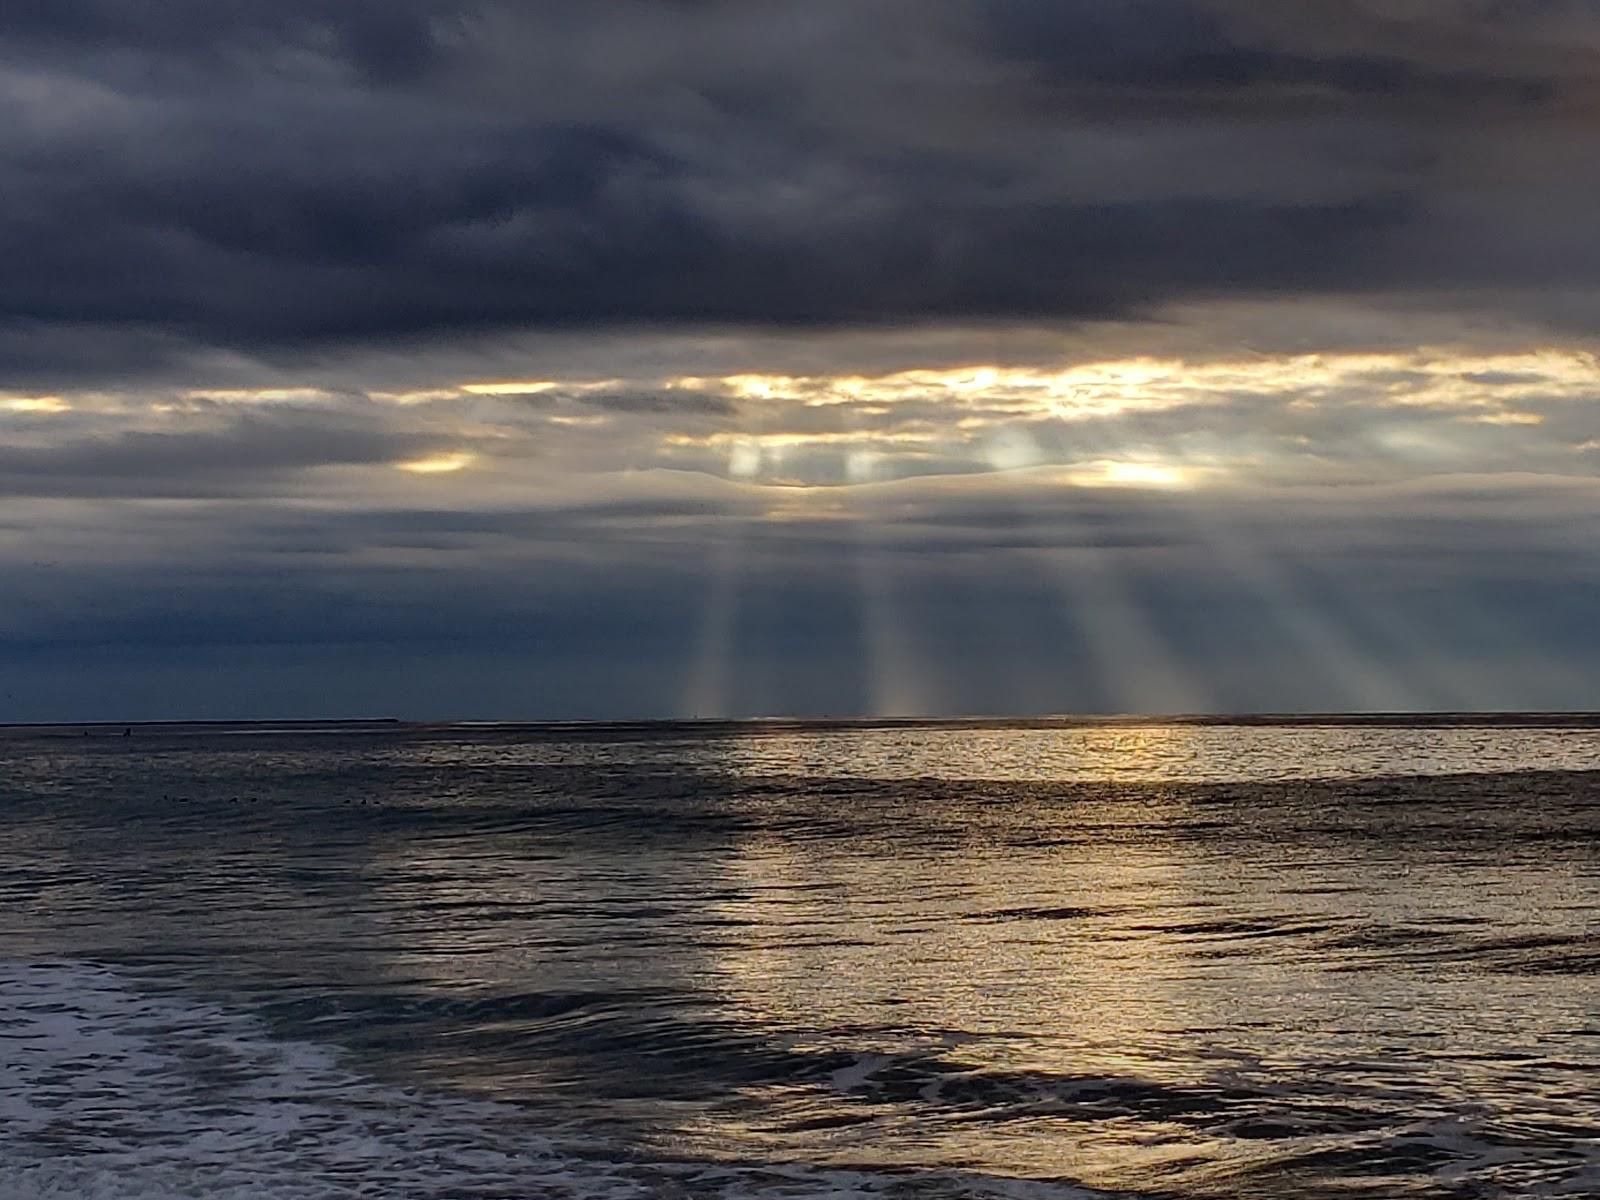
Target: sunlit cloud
{"points": [[1155, 423], [416, 396], [1010, 448], [510, 387], [779, 442], [744, 458], [34, 404], [861, 465], [270, 395], [1509, 418], [1110, 473], [1426, 378], [439, 464]]}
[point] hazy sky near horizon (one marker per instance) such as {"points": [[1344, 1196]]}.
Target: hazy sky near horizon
{"points": [[574, 359]]}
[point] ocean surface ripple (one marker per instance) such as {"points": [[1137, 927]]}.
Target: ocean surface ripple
{"points": [[1022, 961]]}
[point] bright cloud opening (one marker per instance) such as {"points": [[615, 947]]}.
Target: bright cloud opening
{"points": [[439, 464]]}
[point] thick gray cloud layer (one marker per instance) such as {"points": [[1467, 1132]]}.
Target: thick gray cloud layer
{"points": [[279, 175]]}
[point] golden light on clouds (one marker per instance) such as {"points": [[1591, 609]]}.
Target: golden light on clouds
{"points": [[1496, 389], [417, 396], [271, 395], [533, 387], [439, 464], [1510, 417], [1115, 473], [1433, 378], [780, 442], [34, 404], [1427, 377], [1254, 413], [1129, 422], [510, 387]]}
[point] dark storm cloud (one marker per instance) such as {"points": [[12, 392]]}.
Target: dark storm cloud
{"points": [[384, 40], [276, 177], [1189, 57]]}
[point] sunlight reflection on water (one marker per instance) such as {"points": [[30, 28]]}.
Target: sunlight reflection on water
{"points": [[856, 962], [1151, 753]]}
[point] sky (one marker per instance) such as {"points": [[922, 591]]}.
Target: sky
{"points": [[847, 357]]}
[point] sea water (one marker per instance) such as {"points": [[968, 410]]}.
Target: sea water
{"points": [[786, 960]]}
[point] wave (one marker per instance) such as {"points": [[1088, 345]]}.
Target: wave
{"points": [[117, 1094]]}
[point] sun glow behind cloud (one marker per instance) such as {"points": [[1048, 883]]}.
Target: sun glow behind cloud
{"points": [[439, 464], [1425, 377], [1111, 473], [1166, 421], [1151, 422], [33, 404]]}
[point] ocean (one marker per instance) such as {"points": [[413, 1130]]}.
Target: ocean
{"points": [[1027, 960]]}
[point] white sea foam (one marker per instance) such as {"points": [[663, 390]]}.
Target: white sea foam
{"points": [[111, 1093]]}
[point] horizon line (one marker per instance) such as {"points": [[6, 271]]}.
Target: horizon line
{"points": [[1577, 717]]}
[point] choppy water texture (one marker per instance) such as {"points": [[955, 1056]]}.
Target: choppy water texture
{"points": [[1166, 961]]}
